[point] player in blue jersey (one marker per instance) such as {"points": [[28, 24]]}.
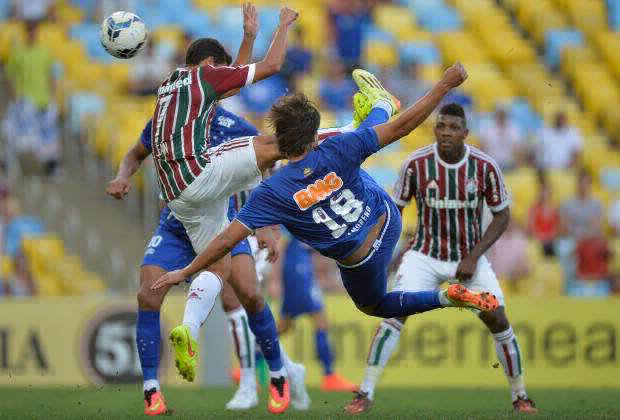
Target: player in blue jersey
{"points": [[301, 295], [325, 200], [169, 249]]}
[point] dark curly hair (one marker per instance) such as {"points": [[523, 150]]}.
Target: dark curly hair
{"points": [[295, 120], [203, 48]]}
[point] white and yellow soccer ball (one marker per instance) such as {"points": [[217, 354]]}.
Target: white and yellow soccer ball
{"points": [[123, 34]]}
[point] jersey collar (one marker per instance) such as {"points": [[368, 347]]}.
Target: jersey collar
{"points": [[451, 165]]}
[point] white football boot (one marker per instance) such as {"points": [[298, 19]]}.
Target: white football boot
{"points": [[244, 399], [300, 400]]}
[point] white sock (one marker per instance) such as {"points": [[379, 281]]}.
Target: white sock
{"points": [[443, 298], [244, 343], [150, 384], [383, 345], [509, 354], [200, 300], [384, 105]]}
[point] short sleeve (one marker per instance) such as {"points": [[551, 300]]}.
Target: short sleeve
{"points": [[355, 146], [258, 211], [225, 78], [495, 192], [406, 184], [145, 137]]}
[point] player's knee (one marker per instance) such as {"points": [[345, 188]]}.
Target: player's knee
{"points": [[368, 309], [252, 301], [496, 321], [149, 299]]}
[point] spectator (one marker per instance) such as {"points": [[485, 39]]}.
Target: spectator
{"points": [[502, 140], [336, 89], [578, 214], [593, 257], [347, 19], [147, 71], [33, 10], [544, 220], [298, 59], [509, 256], [32, 119], [614, 217], [559, 146]]}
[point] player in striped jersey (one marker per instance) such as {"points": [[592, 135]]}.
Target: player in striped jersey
{"points": [[450, 182]]}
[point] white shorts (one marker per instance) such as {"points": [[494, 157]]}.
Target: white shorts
{"points": [[419, 272], [203, 206], [260, 259]]}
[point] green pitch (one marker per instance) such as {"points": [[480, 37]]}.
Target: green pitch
{"points": [[125, 402]]}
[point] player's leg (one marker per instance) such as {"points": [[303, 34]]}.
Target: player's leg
{"points": [[366, 281], [506, 343], [244, 342], [263, 325], [415, 273], [148, 337], [285, 324]]}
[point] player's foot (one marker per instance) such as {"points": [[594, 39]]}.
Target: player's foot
{"points": [[337, 383], [300, 400], [459, 295], [154, 404], [185, 352], [244, 399], [235, 375], [360, 404], [279, 395], [361, 108], [370, 86], [524, 405]]}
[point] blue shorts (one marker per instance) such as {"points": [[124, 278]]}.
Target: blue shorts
{"points": [[171, 249], [366, 281]]}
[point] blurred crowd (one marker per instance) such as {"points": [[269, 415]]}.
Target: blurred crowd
{"points": [[580, 233]]}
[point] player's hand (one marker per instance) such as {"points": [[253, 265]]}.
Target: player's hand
{"points": [[118, 188], [265, 239], [454, 76], [467, 268], [169, 279], [250, 20], [287, 16]]}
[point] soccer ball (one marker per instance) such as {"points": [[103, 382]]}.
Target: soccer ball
{"points": [[123, 34]]}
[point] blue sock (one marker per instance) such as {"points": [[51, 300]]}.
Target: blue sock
{"points": [[147, 338], [400, 304], [323, 352], [375, 117], [263, 326]]}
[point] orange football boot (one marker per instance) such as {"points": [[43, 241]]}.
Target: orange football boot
{"points": [[360, 404], [462, 296], [337, 383], [279, 395], [154, 403], [524, 405]]}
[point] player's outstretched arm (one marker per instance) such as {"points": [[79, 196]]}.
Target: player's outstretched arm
{"points": [[250, 30], [120, 186], [216, 250], [272, 63], [415, 115]]}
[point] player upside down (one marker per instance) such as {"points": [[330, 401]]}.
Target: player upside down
{"points": [[325, 200]]}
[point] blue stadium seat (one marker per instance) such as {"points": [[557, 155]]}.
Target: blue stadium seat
{"points": [[435, 16], [374, 33], [557, 40], [523, 115], [197, 23], [5, 9], [613, 12], [422, 52], [88, 34]]}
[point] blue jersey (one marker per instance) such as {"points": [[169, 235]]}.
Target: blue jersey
{"points": [[324, 200]]}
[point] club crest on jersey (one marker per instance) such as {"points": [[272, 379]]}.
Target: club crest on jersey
{"points": [[319, 190], [307, 172], [471, 186]]}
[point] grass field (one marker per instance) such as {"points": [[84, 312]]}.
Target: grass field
{"points": [[189, 403]]}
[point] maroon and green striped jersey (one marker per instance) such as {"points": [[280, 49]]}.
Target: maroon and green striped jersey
{"points": [[450, 199], [180, 135]]}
